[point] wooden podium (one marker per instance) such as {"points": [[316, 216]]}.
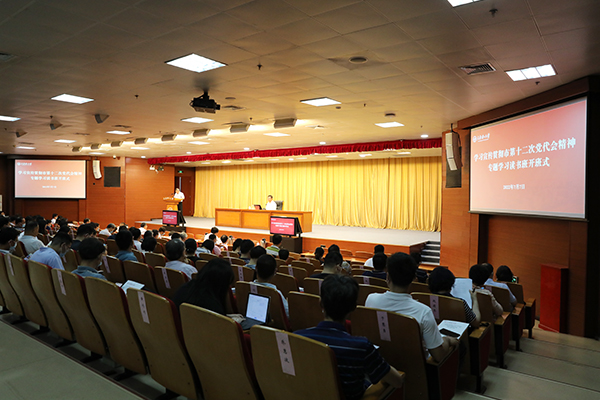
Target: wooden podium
{"points": [[172, 203]]}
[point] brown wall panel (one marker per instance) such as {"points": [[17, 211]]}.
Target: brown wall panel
{"points": [[105, 204], [46, 207]]}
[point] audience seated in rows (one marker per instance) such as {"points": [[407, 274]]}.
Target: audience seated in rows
{"points": [[401, 269], [110, 228], [136, 233], [155, 233], [357, 358], [284, 254], [441, 281], [266, 268], [148, 244], [206, 247], [29, 238], [91, 251], [479, 274], [124, 240], [245, 248], [53, 254], [190, 250], [213, 231], [83, 232], [378, 249], [8, 239], [490, 282], [379, 261], [216, 250], [162, 232], [255, 254], [274, 248], [224, 241], [331, 266], [319, 252], [175, 250], [210, 288]]}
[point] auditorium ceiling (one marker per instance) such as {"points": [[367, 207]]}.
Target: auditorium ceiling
{"points": [[276, 54]]}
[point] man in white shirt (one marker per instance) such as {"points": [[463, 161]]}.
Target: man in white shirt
{"points": [[179, 195], [490, 282], [378, 249], [176, 256], [29, 238], [271, 205], [53, 254], [110, 228], [143, 228], [401, 271]]}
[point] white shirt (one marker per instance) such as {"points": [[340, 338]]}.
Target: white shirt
{"points": [[490, 282], [105, 232], [142, 230], [181, 266], [138, 245], [271, 205], [369, 262], [32, 243], [403, 303], [179, 195]]}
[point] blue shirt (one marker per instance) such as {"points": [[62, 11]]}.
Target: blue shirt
{"points": [[126, 256], [356, 357], [88, 271], [47, 256]]}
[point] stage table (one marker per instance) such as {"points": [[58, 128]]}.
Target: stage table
{"points": [[258, 219]]}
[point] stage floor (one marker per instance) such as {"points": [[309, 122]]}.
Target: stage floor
{"points": [[330, 232]]}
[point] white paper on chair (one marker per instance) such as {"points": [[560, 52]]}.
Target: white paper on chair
{"points": [[453, 326], [462, 288], [143, 308], [384, 327], [166, 278], [61, 283], [285, 353], [131, 284]]}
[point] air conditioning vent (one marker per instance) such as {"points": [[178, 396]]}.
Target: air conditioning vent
{"points": [[478, 68], [4, 57]]}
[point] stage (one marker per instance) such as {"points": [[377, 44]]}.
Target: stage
{"points": [[347, 237]]}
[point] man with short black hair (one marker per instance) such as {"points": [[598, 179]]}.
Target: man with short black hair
{"points": [[284, 254], [266, 268], [332, 265], [8, 239], [356, 357], [52, 255], [379, 261], [245, 248], [401, 269], [255, 253], [274, 248], [29, 238], [378, 249], [91, 251], [86, 221], [124, 241], [143, 228], [110, 228], [207, 247], [83, 232], [176, 256]]}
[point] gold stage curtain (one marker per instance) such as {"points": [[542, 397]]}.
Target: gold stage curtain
{"points": [[394, 193]]}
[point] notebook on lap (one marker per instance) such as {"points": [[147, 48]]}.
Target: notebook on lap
{"points": [[257, 311]]}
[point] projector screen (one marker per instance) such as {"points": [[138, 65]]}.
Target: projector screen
{"points": [[533, 164], [50, 179]]}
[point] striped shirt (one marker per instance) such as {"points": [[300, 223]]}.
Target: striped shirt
{"points": [[356, 357]]}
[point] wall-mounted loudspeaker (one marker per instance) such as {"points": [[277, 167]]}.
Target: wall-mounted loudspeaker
{"points": [[453, 151], [96, 169]]}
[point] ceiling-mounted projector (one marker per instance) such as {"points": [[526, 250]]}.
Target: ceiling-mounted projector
{"points": [[205, 104]]}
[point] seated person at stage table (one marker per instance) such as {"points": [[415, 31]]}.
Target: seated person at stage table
{"points": [[8, 239], [378, 249], [441, 281], [216, 250], [266, 268], [210, 288], [356, 357], [53, 254], [331, 266], [29, 238], [148, 244], [504, 274], [83, 232], [175, 250], [319, 253], [91, 251], [124, 241], [271, 205], [479, 274], [490, 282], [110, 228], [379, 261], [401, 269], [274, 248], [245, 248], [255, 254], [284, 255], [137, 234], [190, 250], [206, 247]]}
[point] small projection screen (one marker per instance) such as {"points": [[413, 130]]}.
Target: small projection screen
{"points": [[533, 164], [50, 179]]}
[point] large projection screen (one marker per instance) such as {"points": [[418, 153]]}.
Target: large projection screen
{"points": [[533, 164], [50, 179]]}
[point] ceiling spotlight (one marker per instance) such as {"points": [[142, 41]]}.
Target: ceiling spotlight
{"points": [[55, 125], [424, 135], [284, 123], [239, 128], [141, 140], [20, 133], [76, 149], [168, 138], [117, 143], [200, 132], [95, 146], [100, 118]]}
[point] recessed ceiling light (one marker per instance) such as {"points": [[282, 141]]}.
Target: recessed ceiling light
{"points": [[276, 134], [9, 119], [248, 160], [531, 73], [69, 98], [290, 159], [119, 132], [25, 147], [246, 148], [195, 63], [206, 162], [456, 3], [188, 152], [332, 156], [365, 155], [322, 143], [197, 120], [321, 101], [95, 153], [424, 135], [143, 156], [403, 152], [389, 124], [140, 148], [226, 161], [198, 142], [64, 141]]}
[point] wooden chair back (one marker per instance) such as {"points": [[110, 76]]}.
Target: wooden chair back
{"points": [[285, 283], [316, 263], [113, 269], [111, 247], [139, 255], [312, 285], [277, 314], [168, 281], [200, 264], [370, 280], [365, 290], [10, 297], [156, 259], [517, 291], [236, 261], [280, 262], [502, 296], [224, 366], [20, 250], [363, 255], [207, 256], [359, 265], [160, 247], [22, 285], [71, 262], [41, 282], [156, 322], [447, 307], [346, 254], [418, 287], [296, 272], [111, 311], [309, 267], [243, 273], [295, 256], [140, 272], [305, 310], [43, 238], [71, 294], [485, 308]]}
